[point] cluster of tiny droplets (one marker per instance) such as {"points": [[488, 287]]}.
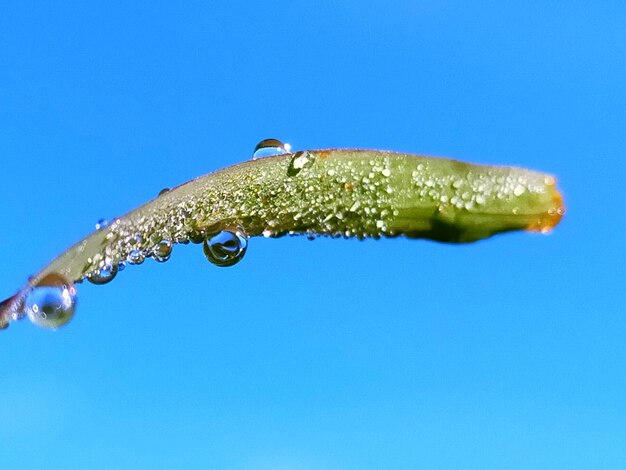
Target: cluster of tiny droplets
{"points": [[347, 200], [476, 189]]}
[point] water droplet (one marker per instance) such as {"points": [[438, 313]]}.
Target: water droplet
{"points": [[299, 161], [135, 257], [135, 239], [163, 191], [103, 275], [162, 251], [196, 236], [102, 223], [226, 247], [519, 190], [269, 147], [51, 303], [354, 207]]}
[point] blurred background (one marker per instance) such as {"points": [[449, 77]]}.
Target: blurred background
{"points": [[326, 354]]}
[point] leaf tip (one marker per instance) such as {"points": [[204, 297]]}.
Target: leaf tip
{"points": [[549, 219]]}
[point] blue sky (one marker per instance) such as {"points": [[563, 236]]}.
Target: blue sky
{"points": [[331, 354]]}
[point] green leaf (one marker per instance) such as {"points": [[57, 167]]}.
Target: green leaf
{"points": [[346, 193]]}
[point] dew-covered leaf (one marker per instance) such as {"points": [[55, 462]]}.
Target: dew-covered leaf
{"points": [[337, 193]]}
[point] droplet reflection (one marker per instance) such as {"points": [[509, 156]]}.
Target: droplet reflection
{"points": [[135, 257], [51, 303], [299, 161], [269, 147], [162, 251], [103, 275], [226, 247]]}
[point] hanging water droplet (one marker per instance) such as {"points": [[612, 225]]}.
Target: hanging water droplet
{"points": [[102, 223], [51, 303], [163, 191], [162, 251], [103, 275], [299, 161], [269, 147], [226, 247], [196, 236], [135, 257]]}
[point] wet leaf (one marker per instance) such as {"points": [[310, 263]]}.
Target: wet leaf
{"points": [[337, 193]]}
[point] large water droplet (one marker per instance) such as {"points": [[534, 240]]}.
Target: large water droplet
{"points": [[269, 147], [299, 161], [51, 303], [103, 275], [226, 247], [162, 251]]}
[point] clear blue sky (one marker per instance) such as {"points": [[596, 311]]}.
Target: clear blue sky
{"points": [[332, 354]]}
